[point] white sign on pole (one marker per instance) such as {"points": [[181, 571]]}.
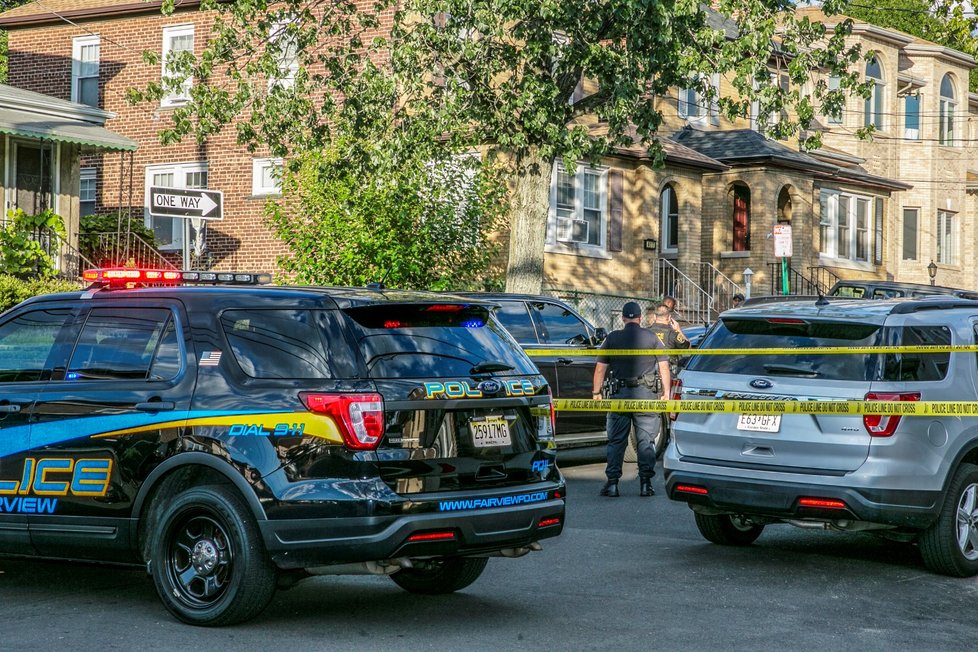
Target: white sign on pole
{"points": [[782, 241]]}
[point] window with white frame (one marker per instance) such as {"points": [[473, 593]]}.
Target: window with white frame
{"points": [[579, 207], [946, 134], [266, 176], [947, 238], [86, 192], [873, 111], [834, 118], [170, 232], [283, 42], [669, 219], [911, 117], [84, 69], [911, 233], [177, 39], [698, 106], [847, 226]]}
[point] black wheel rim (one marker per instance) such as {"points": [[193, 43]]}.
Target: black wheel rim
{"points": [[199, 559]]}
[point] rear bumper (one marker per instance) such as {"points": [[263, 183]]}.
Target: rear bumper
{"points": [[780, 499], [300, 543]]}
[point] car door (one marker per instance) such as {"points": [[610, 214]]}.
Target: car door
{"points": [[559, 327], [29, 348], [515, 317], [104, 421]]}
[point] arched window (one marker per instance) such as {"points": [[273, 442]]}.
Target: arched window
{"points": [[741, 218], [874, 103], [946, 135], [669, 224]]}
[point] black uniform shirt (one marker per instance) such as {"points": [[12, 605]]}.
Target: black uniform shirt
{"points": [[632, 336]]}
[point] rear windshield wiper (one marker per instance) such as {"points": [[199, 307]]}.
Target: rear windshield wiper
{"points": [[790, 370], [488, 366]]}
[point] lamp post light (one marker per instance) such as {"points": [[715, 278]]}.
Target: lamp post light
{"points": [[748, 275], [932, 271]]}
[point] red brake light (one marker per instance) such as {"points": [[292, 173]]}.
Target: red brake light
{"points": [[692, 489], [445, 307], [884, 425], [824, 503], [547, 522], [358, 417], [785, 320], [553, 413], [432, 536]]}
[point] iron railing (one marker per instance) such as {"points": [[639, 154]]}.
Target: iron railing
{"points": [[798, 283], [694, 304], [126, 249]]}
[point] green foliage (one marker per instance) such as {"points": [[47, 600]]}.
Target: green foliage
{"points": [[92, 227], [13, 290], [22, 250]]}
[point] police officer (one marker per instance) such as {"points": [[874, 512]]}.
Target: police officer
{"points": [[634, 375]]}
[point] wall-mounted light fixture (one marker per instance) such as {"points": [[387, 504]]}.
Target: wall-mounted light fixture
{"points": [[650, 244], [932, 272]]}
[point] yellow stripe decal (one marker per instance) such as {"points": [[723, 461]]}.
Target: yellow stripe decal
{"points": [[306, 423]]}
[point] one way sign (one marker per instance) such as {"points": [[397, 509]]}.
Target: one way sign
{"points": [[180, 202]]}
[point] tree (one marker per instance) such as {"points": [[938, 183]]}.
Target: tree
{"points": [[500, 75]]}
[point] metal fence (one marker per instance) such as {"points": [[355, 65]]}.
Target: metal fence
{"points": [[602, 310]]}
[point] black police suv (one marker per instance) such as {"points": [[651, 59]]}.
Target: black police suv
{"points": [[235, 438]]}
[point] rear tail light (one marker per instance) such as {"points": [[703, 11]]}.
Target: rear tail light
{"points": [[677, 394], [884, 425], [691, 489], [553, 413], [358, 417], [547, 522], [446, 535]]}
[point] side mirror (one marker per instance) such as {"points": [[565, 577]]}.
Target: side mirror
{"points": [[578, 340], [599, 336]]}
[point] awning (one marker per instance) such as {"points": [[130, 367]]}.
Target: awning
{"points": [[63, 129]]}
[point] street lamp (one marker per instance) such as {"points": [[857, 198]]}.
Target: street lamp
{"points": [[932, 271], [748, 275]]}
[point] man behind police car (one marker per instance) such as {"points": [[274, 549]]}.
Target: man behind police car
{"points": [[635, 377]]}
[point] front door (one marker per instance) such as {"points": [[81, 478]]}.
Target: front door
{"points": [[104, 424]]}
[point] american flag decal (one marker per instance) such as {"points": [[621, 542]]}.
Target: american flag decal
{"points": [[210, 359]]}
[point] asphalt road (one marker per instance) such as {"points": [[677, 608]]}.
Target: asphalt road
{"points": [[627, 574]]}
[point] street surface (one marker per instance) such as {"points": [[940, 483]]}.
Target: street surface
{"points": [[627, 574]]}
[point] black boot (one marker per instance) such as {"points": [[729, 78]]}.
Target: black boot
{"points": [[610, 489], [646, 489]]}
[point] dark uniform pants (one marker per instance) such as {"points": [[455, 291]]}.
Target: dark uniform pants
{"points": [[647, 426]]}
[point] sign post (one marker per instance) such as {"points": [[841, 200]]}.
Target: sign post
{"points": [[186, 202], [782, 250]]}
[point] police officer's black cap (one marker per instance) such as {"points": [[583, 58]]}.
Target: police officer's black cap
{"points": [[631, 310]]}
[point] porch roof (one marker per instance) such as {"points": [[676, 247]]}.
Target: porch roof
{"points": [[37, 116]]}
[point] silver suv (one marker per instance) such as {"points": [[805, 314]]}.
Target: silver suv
{"points": [[913, 478]]}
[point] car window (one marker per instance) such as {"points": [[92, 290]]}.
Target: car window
{"points": [[435, 341], [514, 317], [26, 343], [887, 293], [558, 325], [117, 344], [849, 291], [287, 344], [916, 366], [169, 357]]}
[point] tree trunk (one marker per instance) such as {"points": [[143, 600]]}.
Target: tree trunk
{"points": [[530, 207]]}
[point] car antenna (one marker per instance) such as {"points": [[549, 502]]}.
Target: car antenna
{"points": [[379, 285], [821, 302]]}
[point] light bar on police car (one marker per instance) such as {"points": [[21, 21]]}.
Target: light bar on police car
{"points": [[123, 276]]}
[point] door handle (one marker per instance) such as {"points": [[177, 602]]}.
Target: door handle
{"points": [[10, 409], [564, 361], [155, 406]]}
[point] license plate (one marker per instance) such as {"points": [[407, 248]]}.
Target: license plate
{"points": [[759, 422], [489, 431]]}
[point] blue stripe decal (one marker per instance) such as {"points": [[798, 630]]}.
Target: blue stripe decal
{"points": [[14, 440]]}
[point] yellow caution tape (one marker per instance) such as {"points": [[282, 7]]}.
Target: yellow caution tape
{"points": [[896, 408], [819, 350]]}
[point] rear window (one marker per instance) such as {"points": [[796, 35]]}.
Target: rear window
{"points": [[794, 334], [435, 340]]}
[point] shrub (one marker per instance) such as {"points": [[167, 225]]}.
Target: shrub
{"points": [[14, 290]]}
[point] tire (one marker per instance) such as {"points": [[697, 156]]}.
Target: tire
{"points": [[631, 450], [950, 545], [661, 440], [440, 576], [727, 529], [232, 579]]}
